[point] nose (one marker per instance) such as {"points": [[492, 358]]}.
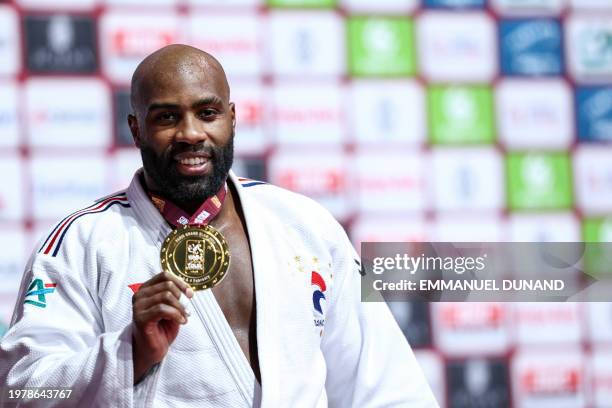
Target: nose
{"points": [[191, 130]]}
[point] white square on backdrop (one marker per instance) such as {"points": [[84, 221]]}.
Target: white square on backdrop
{"points": [[457, 47], [125, 162], [389, 182], [306, 43], [554, 227], [10, 50], [63, 184], [239, 51], [470, 328], [593, 179], [588, 48], [12, 260], [469, 179], [535, 114], [600, 322], [389, 228], [81, 117], [539, 323], [12, 188], [548, 378], [320, 175], [485, 226], [10, 102], [127, 38], [118, 3], [252, 121], [600, 373], [387, 112], [308, 114]]}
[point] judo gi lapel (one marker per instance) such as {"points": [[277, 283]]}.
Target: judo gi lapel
{"points": [[265, 264]]}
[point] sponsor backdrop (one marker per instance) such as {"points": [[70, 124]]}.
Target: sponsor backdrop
{"points": [[438, 120]]}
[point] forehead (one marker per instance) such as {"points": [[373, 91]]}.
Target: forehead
{"points": [[182, 84]]}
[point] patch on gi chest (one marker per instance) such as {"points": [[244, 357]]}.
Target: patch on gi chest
{"points": [[320, 277], [319, 300]]}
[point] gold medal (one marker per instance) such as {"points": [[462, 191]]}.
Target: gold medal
{"points": [[198, 254]]}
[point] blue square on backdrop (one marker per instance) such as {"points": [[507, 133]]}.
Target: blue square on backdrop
{"points": [[531, 47], [594, 113], [454, 3]]}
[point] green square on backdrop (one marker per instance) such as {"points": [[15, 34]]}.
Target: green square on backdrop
{"points": [[302, 3], [597, 229], [597, 234], [381, 46], [460, 114], [539, 181]]}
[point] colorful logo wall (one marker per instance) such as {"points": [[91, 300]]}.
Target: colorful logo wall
{"points": [[434, 120]]}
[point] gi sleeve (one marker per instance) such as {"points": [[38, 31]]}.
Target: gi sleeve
{"points": [[57, 340], [369, 361]]}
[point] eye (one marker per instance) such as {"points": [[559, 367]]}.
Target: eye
{"points": [[165, 118], [208, 113]]}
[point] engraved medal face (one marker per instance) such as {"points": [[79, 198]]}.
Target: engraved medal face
{"points": [[198, 254]]}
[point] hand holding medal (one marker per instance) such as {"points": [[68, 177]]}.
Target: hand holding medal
{"points": [[195, 251]]}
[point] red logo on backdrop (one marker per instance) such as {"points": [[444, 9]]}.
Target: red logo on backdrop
{"points": [[536, 316], [138, 42], [467, 316], [250, 113], [313, 181], [535, 115], [235, 45], [306, 115], [551, 380], [457, 45], [389, 182]]}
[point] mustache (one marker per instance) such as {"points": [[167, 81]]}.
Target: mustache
{"points": [[182, 147]]}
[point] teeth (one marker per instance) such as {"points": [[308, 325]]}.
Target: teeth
{"points": [[193, 161]]}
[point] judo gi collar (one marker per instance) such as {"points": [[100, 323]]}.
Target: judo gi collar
{"points": [[202, 216]]}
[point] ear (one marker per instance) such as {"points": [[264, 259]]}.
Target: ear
{"points": [[133, 123], [232, 107]]}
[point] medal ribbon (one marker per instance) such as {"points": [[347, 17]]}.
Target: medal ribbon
{"points": [[203, 215]]}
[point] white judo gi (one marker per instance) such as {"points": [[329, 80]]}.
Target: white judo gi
{"points": [[318, 344]]}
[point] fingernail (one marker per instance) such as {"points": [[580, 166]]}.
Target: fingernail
{"points": [[183, 320], [189, 293]]}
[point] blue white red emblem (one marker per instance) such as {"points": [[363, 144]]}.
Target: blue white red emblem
{"points": [[318, 298]]}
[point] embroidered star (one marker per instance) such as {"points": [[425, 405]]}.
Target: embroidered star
{"points": [[298, 258], [315, 259]]}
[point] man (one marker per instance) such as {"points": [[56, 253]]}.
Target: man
{"points": [[283, 328]]}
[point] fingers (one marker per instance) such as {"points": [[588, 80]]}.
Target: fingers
{"points": [[167, 276], [165, 286], [163, 296], [161, 311]]}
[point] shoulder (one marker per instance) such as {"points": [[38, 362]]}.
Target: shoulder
{"points": [[293, 208], [102, 214]]}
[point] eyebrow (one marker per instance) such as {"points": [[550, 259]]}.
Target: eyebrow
{"points": [[209, 100]]}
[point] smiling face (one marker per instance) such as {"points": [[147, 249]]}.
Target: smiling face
{"points": [[183, 123]]}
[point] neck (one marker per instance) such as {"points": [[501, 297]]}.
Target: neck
{"points": [[189, 207]]}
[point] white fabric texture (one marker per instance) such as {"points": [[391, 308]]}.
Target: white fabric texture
{"points": [[344, 354]]}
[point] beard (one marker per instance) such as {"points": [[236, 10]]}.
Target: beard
{"points": [[161, 169]]}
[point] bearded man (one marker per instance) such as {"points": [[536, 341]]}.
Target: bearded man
{"points": [[194, 287]]}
